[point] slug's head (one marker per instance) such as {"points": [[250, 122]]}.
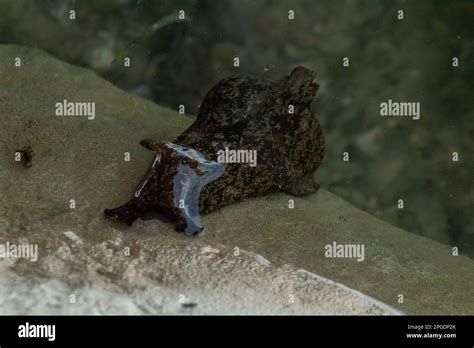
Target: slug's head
{"points": [[301, 84]]}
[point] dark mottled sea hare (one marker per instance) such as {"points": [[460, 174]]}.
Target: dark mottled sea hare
{"points": [[270, 119]]}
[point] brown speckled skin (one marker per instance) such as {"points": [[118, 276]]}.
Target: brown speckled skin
{"points": [[246, 112], [241, 113], [154, 195]]}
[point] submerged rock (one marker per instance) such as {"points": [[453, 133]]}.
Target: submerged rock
{"points": [[146, 267]]}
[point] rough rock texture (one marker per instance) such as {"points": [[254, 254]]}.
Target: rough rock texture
{"points": [[82, 253], [104, 280]]}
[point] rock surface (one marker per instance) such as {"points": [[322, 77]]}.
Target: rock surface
{"points": [[145, 268]]}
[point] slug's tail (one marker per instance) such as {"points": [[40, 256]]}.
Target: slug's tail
{"points": [[123, 213]]}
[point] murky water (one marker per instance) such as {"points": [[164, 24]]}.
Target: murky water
{"points": [[394, 104]]}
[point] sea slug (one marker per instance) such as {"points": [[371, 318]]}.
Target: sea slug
{"points": [[271, 140]]}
